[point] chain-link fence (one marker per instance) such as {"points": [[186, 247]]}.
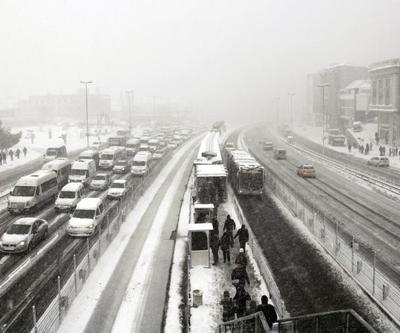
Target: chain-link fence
{"points": [[354, 255]]}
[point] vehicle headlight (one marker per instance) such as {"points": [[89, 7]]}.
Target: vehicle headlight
{"points": [[91, 226], [21, 243]]}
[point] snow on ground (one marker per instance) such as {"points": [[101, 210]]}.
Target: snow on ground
{"points": [[83, 306], [367, 135]]}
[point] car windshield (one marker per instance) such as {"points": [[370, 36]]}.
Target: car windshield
{"points": [[139, 163], [123, 163], [51, 152], [78, 172], [117, 185], [99, 177], [107, 157], [23, 191], [84, 214], [308, 167], [18, 229], [67, 195]]}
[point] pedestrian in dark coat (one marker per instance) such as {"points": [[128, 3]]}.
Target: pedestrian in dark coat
{"points": [[229, 226], [1, 158], [25, 151], [241, 297], [11, 153], [243, 235], [4, 153], [268, 310], [215, 226], [228, 307], [225, 243], [214, 245], [241, 258], [18, 152], [239, 276]]}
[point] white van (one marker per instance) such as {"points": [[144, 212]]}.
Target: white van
{"points": [[88, 214], [141, 163], [132, 146], [61, 167], [91, 154], [82, 171], [55, 151], [32, 191], [69, 197], [153, 144], [109, 156]]}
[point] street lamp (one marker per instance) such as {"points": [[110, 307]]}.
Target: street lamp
{"points": [[130, 92], [277, 110], [291, 107], [87, 112], [323, 86]]}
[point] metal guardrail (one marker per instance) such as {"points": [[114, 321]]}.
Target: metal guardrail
{"points": [[254, 323]]}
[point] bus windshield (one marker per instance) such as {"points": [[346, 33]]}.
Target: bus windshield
{"points": [[51, 152], [139, 163], [251, 180], [23, 191], [78, 172], [107, 157]]}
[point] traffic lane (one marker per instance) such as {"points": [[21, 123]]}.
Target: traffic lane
{"points": [[154, 304]]}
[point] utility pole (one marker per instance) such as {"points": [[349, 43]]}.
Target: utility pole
{"points": [[277, 111], [129, 93], [291, 108], [323, 86], [87, 111]]}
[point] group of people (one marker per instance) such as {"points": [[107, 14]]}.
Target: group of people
{"points": [[241, 304], [11, 153]]}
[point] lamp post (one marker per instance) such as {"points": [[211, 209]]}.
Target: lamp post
{"points": [[323, 86], [277, 111], [87, 111], [291, 107], [130, 92]]}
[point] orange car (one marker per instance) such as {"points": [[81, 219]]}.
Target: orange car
{"points": [[306, 171]]}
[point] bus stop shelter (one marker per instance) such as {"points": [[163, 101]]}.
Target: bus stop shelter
{"points": [[199, 243]]}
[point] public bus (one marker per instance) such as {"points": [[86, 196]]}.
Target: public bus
{"points": [[119, 141]]}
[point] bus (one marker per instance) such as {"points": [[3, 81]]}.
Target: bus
{"points": [[119, 141], [132, 146]]}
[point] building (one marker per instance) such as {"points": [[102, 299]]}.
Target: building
{"points": [[354, 103], [385, 98], [70, 106], [326, 92]]}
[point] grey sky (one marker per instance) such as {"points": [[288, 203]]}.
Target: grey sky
{"points": [[224, 56]]}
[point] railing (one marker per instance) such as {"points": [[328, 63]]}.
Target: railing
{"points": [[254, 323], [343, 321]]}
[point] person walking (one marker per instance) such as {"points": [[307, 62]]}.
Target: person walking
{"points": [[241, 297], [1, 158], [225, 244], [349, 147], [241, 258], [18, 152], [268, 310], [229, 226], [243, 235], [214, 245], [4, 153], [11, 153], [228, 307], [24, 150], [239, 276], [215, 225]]}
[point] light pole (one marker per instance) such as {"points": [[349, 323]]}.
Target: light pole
{"points": [[291, 108], [323, 86], [87, 112], [130, 92], [277, 111]]}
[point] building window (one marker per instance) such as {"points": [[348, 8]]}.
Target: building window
{"points": [[374, 92], [380, 92], [387, 92]]}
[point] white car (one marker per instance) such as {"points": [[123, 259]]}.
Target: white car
{"points": [[88, 214], [100, 182], [118, 189], [23, 235], [69, 197]]}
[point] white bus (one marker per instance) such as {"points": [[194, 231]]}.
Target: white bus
{"points": [[61, 167], [132, 146], [141, 163], [109, 156], [33, 191]]}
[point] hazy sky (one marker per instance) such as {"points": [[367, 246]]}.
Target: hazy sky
{"points": [[222, 56]]}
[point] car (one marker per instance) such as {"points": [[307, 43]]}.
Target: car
{"points": [[122, 166], [268, 146], [23, 235], [172, 145], [99, 145], [378, 161], [306, 171], [290, 139], [280, 154], [158, 154], [88, 214], [100, 182], [69, 197], [118, 189]]}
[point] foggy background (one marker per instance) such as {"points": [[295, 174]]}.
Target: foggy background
{"points": [[222, 57]]}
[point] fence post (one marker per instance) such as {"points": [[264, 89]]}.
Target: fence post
{"points": [[34, 318], [59, 298], [75, 277], [336, 237], [88, 253], [352, 254], [100, 238], [108, 223], [374, 273]]}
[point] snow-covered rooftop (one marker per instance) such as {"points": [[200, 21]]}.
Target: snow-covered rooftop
{"points": [[213, 170]]}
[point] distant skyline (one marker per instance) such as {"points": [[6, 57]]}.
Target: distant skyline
{"points": [[224, 58]]}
